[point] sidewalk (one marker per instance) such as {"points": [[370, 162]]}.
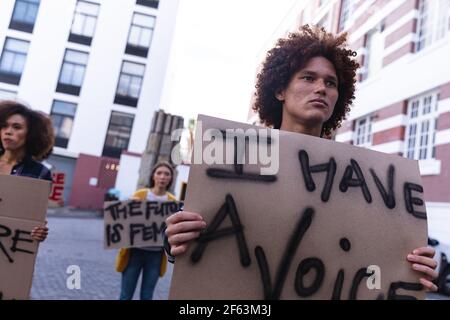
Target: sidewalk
{"points": [[70, 212]]}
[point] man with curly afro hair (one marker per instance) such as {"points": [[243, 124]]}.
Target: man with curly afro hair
{"points": [[307, 83]]}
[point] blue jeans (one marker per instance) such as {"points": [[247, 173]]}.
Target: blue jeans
{"points": [[147, 261]]}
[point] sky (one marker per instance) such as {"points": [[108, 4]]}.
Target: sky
{"points": [[218, 46]]}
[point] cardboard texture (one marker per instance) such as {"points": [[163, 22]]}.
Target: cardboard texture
{"points": [[23, 206], [347, 233], [135, 223]]}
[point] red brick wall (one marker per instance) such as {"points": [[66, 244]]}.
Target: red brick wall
{"points": [[389, 135]]}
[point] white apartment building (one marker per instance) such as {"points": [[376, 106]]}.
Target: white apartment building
{"points": [[98, 68]]}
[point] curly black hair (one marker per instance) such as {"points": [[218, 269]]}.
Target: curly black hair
{"points": [[40, 137], [288, 57]]}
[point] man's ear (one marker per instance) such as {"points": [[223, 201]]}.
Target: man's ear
{"points": [[280, 95]]}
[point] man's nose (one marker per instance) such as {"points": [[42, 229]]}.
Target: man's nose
{"points": [[320, 86]]}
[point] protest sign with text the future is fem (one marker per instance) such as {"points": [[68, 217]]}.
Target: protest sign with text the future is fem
{"points": [[23, 206], [314, 219]]}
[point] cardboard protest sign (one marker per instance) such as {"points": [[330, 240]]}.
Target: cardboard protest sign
{"points": [[135, 223], [56, 198], [329, 221], [23, 206]]}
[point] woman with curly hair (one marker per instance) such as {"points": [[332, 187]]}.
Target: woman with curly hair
{"points": [[26, 137], [306, 85]]}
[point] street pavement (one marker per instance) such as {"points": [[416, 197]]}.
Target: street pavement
{"points": [[76, 239]]}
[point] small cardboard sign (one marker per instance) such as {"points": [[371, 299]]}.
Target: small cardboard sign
{"points": [[136, 223], [23, 206], [333, 222]]}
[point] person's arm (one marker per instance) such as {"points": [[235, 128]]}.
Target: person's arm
{"points": [[422, 260], [182, 228]]}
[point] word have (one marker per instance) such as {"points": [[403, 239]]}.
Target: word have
{"points": [[273, 290], [16, 238], [353, 169], [125, 210]]}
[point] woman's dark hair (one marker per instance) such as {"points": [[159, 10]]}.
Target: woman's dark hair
{"points": [[288, 57], [158, 165], [40, 137]]}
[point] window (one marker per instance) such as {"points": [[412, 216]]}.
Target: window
{"points": [[421, 129], [12, 60], [84, 21], [24, 15], [140, 35], [346, 7], [118, 135], [62, 115], [324, 22], [72, 72], [149, 3], [7, 95], [373, 53], [433, 22], [363, 132], [130, 82]]}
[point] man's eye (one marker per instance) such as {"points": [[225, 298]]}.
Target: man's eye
{"points": [[307, 78], [331, 84]]}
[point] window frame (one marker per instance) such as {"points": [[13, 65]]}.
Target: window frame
{"points": [[366, 140], [127, 99], [440, 19], [113, 151], [67, 87], [82, 38], [24, 25], [62, 142], [137, 50], [12, 77], [413, 146]]}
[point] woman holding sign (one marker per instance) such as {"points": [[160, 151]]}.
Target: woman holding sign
{"points": [[306, 85], [150, 260], [26, 138]]}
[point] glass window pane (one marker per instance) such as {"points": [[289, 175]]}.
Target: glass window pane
{"points": [[135, 87], [78, 74], [124, 83], [65, 108], [7, 61], [89, 26], [76, 57], [77, 25], [133, 68], [20, 10], [66, 73], [17, 45], [66, 127], [144, 20], [7, 95], [146, 37], [19, 64], [87, 8], [133, 38], [31, 14]]}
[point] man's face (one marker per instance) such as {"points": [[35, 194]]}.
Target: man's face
{"points": [[311, 95]]}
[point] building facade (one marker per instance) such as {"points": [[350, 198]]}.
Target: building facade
{"points": [[98, 68], [402, 103]]}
